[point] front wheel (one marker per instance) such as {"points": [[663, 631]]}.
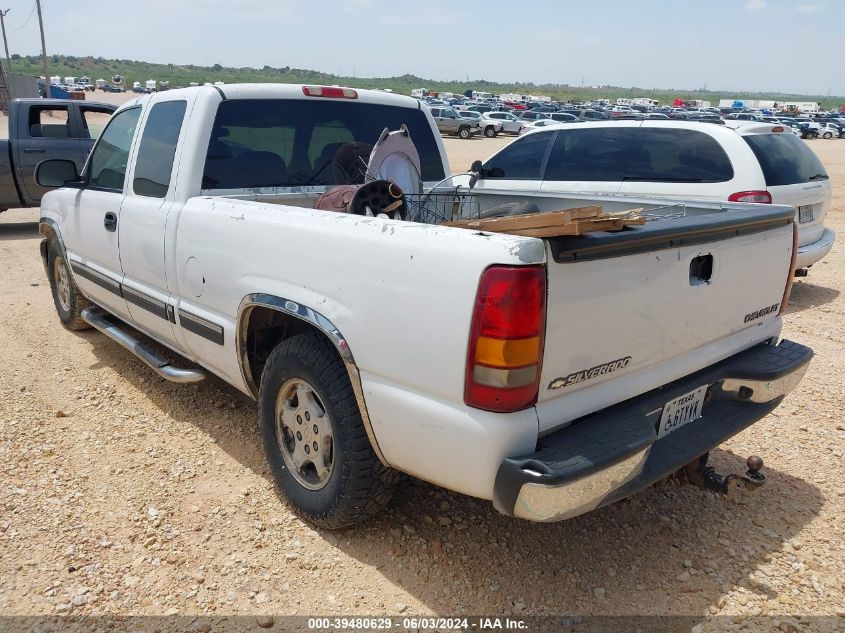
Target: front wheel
{"points": [[464, 133], [314, 438], [490, 131], [67, 298], [827, 135]]}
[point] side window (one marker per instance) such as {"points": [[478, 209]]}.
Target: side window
{"points": [[661, 155], [596, 154], [521, 160], [158, 149], [94, 120], [107, 165], [49, 122]]}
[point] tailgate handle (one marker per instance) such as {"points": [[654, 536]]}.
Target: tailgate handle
{"points": [[700, 270]]}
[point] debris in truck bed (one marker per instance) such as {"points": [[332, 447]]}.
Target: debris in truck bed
{"points": [[554, 223]]}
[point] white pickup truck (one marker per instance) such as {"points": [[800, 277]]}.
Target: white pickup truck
{"points": [[551, 376]]}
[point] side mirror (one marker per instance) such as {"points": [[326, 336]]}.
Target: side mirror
{"points": [[56, 173]]}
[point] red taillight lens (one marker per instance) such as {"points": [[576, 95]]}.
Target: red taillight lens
{"points": [[761, 197], [777, 129], [506, 339], [330, 92]]}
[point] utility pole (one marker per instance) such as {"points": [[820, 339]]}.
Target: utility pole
{"points": [[5, 43], [43, 50]]}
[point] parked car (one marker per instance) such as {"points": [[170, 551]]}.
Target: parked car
{"points": [[40, 129], [539, 124], [741, 161], [591, 115], [450, 122], [532, 115], [830, 130], [511, 123], [563, 117], [489, 127], [546, 401]]}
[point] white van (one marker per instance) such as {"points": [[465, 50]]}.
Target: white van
{"points": [[739, 162]]}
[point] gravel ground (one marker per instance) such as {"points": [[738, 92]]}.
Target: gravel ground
{"points": [[124, 494]]}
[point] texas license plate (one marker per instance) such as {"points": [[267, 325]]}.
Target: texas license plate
{"points": [[805, 214], [681, 411]]}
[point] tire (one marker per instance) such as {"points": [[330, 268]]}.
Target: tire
{"points": [[827, 135], [490, 131], [354, 485], [67, 298], [465, 133]]}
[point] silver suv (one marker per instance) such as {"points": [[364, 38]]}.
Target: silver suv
{"points": [[450, 122]]}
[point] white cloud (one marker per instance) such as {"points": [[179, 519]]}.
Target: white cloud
{"points": [[810, 8], [755, 5]]}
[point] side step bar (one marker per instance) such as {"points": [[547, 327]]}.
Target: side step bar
{"points": [[95, 317]]}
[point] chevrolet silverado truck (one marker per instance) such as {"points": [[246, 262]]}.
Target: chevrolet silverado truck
{"points": [[45, 128], [549, 375]]}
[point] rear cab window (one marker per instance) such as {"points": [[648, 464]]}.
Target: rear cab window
{"points": [[785, 159], [290, 143]]}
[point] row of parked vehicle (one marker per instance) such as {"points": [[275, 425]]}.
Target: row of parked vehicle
{"points": [[467, 118]]}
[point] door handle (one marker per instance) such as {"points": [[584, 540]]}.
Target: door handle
{"points": [[32, 150], [110, 221]]}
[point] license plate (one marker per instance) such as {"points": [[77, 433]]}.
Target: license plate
{"points": [[681, 411], [805, 214]]}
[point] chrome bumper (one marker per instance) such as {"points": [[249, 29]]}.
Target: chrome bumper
{"points": [[814, 252], [616, 453]]}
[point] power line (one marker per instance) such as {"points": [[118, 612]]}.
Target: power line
{"points": [[31, 13]]}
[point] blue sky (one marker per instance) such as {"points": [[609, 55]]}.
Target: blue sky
{"points": [[774, 45]]}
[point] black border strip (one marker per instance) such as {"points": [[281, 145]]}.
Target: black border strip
{"points": [[201, 327], [97, 278], [150, 304], [663, 235]]}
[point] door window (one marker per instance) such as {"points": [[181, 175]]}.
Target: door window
{"points": [[596, 154], [521, 160], [158, 149], [94, 120], [49, 122], [107, 165]]}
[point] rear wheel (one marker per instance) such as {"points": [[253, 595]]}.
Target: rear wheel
{"points": [[827, 135], [314, 438], [464, 133], [67, 298], [490, 131]]}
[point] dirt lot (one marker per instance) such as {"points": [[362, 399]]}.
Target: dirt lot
{"points": [[122, 493]]}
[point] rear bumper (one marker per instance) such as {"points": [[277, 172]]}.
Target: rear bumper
{"points": [[615, 453], [812, 253]]}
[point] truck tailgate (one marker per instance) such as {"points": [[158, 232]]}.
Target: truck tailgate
{"points": [[631, 311]]}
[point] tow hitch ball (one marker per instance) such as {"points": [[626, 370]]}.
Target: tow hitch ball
{"points": [[703, 476]]}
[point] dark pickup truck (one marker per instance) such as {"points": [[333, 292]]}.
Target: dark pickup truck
{"points": [[40, 129]]}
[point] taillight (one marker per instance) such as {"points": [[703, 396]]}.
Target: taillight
{"points": [[788, 290], [330, 92], [777, 129], [506, 339], [762, 197]]}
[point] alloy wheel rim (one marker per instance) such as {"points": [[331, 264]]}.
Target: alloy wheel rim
{"points": [[304, 434], [62, 284]]}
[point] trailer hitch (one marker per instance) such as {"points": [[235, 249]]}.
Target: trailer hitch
{"points": [[699, 474]]}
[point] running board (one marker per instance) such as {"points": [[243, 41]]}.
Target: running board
{"points": [[95, 317]]}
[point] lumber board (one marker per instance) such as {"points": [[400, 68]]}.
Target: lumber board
{"points": [[528, 220]]}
